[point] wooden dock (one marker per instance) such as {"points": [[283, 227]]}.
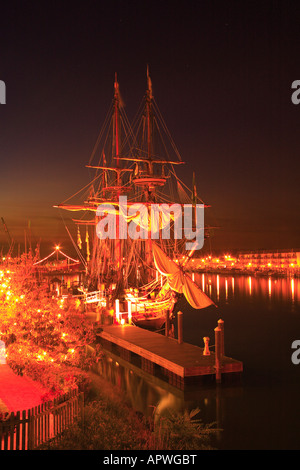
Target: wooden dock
{"points": [[179, 363]]}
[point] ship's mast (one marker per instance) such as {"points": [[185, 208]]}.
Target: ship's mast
{"points": [[115, 187], [116, 126], [145, 177], [149, 118], [148, 245], [118, 254]]}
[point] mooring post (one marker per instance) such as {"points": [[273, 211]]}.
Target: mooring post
{"points": [[179, 320], [129, 312], [221, 326], [167, 323], [206, 351], [117, 310], [218, 333]]}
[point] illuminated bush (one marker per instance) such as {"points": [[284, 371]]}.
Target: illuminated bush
{"points": [[43, 339]]}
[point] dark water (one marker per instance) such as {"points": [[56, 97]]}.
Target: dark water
{"points": [[261, 319]]}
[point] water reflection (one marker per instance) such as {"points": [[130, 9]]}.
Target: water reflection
{"points": [[246, 303], [155, 398], [222, 287]]}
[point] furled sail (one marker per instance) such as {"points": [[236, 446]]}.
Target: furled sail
{"points": [[179, 281], [136, 215], [155, 219]]}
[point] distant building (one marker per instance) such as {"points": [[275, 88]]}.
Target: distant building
{"points": [[264, 261], [285, 260]]}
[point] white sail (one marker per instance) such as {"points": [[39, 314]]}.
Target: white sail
{"points": [[179, 281]]}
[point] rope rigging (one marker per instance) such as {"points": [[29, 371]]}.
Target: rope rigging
{"points": [[134, 168]]}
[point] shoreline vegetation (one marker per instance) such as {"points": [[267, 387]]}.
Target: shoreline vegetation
{"points": [[47, 341], [110, 423]]}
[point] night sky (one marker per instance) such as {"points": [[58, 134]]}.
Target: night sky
{"points": [[221, 75]]}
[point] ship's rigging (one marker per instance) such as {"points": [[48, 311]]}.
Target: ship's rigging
{"points": [[137, 161]]}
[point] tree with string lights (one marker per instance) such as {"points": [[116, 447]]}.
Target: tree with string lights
{"points": [[43, 338]]}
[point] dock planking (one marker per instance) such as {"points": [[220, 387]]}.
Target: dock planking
{"points": [[184, 360]]}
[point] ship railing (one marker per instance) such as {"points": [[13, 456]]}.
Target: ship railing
{"points": [[140, 305], [95, 296]]}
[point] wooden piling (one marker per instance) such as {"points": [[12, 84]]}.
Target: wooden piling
{"points": [[167, 323], [129, 309], [117, 310], [218, 355], [221, 326], [180, 334]]}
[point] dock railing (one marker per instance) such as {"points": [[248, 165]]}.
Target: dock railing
{"points": [[29, 429]]}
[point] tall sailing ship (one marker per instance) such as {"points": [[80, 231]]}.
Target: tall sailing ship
{"points": [[136, 164]]}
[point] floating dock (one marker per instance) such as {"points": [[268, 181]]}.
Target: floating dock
{"points": [[179, 363]]}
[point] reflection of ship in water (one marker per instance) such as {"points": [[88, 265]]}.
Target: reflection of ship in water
{"points": [[154, 398]]}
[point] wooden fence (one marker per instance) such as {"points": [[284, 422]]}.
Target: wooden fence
{"points": [[28, 429]]}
